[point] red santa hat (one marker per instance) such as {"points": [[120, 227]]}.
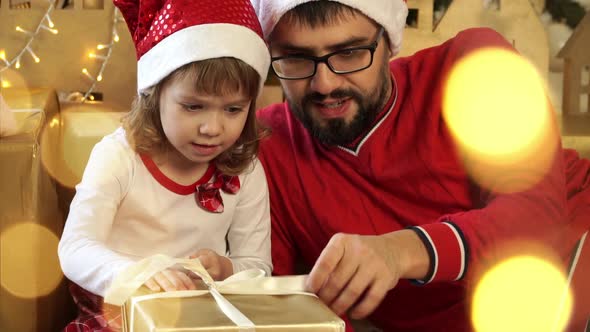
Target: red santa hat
{"points": [[169, 34], [391, 14]]}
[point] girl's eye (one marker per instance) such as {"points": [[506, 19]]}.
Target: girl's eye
{"points": [[192, 108], [235, 109]]}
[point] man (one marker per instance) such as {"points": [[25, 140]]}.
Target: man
{"points": [[366, 186]]}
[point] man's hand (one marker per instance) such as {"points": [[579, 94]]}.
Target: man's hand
{"points": [[170, 280], [218, 267], [357, 270]]}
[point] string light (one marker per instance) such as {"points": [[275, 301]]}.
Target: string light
{"points": [[85, 72], [33, 55], [3, 57], [49, 21], [103, 46], [19, 29], [95, 56], [103, 58], [53, 31], [31, 37]]}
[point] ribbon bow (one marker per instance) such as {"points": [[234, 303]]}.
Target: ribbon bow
{"points": [[249, 282], [208, 195]]}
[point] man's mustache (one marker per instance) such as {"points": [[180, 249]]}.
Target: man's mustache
{"points": [[316, 97]]}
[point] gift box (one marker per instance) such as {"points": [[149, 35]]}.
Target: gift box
{"points": [[247, 301], [33, 296]]}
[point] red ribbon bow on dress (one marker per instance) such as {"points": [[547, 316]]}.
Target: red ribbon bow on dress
{"points": [[208, 195]]}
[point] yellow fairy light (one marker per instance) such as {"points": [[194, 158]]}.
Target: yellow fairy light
{"points": [[45, 23], [116, 37], [99, 78], [54, 122], [19, 29], [3, 57], [96, 56], [35, 57], [49, 21], [102, 46], [85, 72], [6, 84], [53, 31]]}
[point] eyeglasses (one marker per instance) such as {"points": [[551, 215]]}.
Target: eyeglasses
{"points": [[346, 61]]}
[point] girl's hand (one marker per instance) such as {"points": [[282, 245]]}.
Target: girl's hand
{"points": [[219, 267], [170, 280]]}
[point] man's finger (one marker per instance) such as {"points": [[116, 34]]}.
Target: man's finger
{"points": [[339, 277], [352, 291], [371, 299], [325, 264]]}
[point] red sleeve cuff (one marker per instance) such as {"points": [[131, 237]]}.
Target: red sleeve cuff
{"points": [[447, 249]]}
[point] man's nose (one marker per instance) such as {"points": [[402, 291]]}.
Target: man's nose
{"points": [[325, 81]]}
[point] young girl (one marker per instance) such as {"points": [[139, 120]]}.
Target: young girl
{"points": [[181, 176]]}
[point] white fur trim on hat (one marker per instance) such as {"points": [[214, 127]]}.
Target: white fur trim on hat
{"points": [[201, 42], [391, 14]]}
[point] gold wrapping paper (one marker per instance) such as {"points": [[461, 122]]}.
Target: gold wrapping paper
{"points": [[246, 301], [282, 313]]}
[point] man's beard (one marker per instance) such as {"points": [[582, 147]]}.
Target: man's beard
{"points": [[337, 131]]}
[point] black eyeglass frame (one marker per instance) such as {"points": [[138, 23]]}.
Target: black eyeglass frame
{"points": [[372, 47]]}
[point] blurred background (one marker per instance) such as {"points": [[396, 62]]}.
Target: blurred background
{"points": [[67, 73]]}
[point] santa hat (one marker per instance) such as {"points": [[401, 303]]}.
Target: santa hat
{"points": [[169, 34], [391, 14]]}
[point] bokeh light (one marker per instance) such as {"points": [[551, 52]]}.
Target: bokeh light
{"points": [[29, 266], [522, 293], [68, 139], [52, 153], [498, 112]]}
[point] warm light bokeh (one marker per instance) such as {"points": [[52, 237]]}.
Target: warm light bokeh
{"points": [[29, 266], [52, 153], [523, 293], [496, 108], [69, 138]]}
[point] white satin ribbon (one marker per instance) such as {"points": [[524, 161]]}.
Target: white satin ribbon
{"points": [[250, 281]]}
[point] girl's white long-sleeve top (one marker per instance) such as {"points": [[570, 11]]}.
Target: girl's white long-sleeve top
{"points": [[122, 213]]}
